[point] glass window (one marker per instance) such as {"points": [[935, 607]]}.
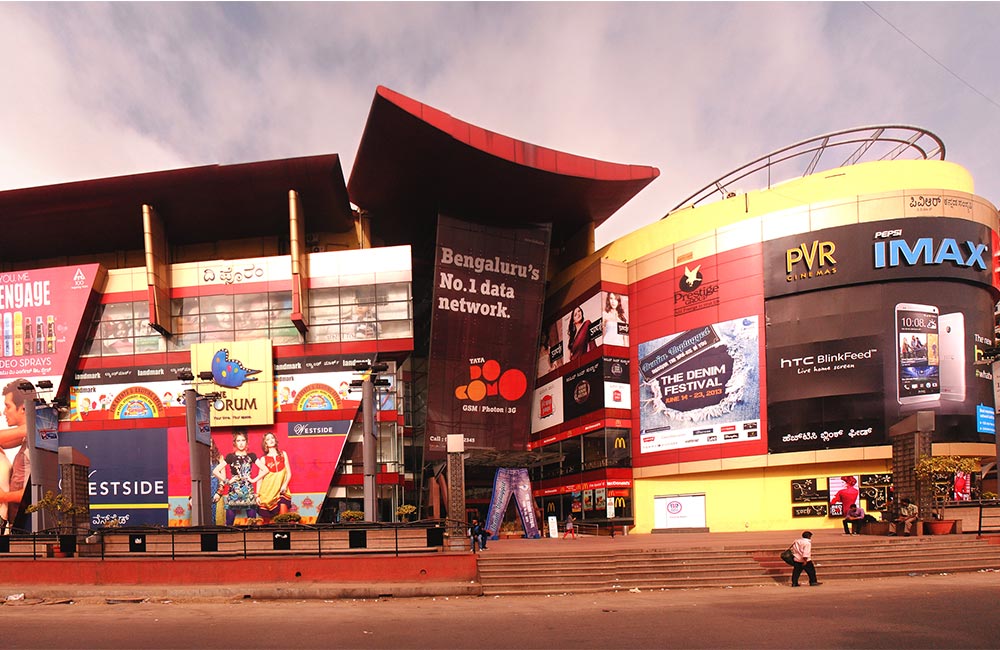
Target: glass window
{"points": [[323, 334], [393, 291], [396, 329], [147, 344], [571, 456], [285, 336], [393, 311], [250, 302], [619, 448], [280, 300], [324, 297], [324, 316], [184, 306], [249, 335], [594, 450]]}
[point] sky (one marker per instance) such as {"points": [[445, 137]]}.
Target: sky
{"points": [[695, 89]]}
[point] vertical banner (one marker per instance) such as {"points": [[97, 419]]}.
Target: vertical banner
{"points": [[489, 287]]}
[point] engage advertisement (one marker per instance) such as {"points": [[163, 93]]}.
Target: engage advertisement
{"points": [[489, 286], [42, 311], [700, 386]]}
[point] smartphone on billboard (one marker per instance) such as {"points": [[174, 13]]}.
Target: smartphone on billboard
{"points": [[952, 337], [918, 354]]}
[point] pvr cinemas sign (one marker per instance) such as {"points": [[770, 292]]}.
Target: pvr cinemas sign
{"points": [[810, 260], [922, 247]]}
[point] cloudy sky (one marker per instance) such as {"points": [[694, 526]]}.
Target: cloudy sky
{"points": [[95, 90]]}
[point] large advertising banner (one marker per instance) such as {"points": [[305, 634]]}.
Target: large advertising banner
{"points": [[489, 286], [700, 387], [599, 319], [42, 311], [249, 469], [844, 365], [128, 475]]}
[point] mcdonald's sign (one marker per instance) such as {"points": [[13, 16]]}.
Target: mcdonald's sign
{"points": [[551, 507], [620, 443], [619, 502]]}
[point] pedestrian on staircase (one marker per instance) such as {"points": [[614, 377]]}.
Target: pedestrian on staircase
{"points": [[570, 528], [802, 557]]}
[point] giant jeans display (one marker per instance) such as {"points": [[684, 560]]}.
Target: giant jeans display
{"points": [[507, 482]]}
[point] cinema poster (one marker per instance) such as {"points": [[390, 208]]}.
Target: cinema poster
{"points": [[489, 288], [700, 386]]}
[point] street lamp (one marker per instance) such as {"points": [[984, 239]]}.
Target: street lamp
{"points": [[370, 433]]}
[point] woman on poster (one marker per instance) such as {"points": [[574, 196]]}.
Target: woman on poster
{"points": [[239, 480], [579, 334], [614, 313], [275, 474]]}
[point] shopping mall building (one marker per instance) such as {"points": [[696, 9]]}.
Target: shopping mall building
{"points": [[730, 366]]}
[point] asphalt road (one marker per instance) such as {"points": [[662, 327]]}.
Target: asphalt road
{"points": [[935, 611]]}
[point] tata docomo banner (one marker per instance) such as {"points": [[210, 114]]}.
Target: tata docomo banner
{"points": [[700, 387], [845, 364], [489, 286]]}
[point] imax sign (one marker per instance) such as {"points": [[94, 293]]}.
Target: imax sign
{"points": [[924, 251]]}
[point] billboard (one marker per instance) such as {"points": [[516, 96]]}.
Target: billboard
{"points": [[700, 386], [42, 311], [844, 365], [489, 286], [242, 372], [599, 319], [895, 249], [128, 474]]}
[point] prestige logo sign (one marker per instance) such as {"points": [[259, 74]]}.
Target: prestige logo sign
{"points": [[693, 294]]}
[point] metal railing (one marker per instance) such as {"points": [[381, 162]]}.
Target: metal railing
{"points": [[320, 540], [989, 517]]}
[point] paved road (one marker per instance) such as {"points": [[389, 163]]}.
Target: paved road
{"points": [[935, 611]]}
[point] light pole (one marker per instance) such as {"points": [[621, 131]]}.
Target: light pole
{"points": [[369, 441], [199, 437]]}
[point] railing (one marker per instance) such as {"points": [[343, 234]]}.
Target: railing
{"points": [[295, 539], [989, 517]]}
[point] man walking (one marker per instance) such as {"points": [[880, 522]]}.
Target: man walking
{"points": [[802, 556]]}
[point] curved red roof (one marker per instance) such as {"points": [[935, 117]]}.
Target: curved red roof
{"points": [[415, 159]]}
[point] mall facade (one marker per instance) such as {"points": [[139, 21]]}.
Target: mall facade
{"points": [[730, 366]]}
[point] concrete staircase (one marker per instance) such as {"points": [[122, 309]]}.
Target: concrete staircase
{"points": [[581, 571]]}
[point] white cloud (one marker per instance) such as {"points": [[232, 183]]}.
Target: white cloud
{"points": [[694, 89]]}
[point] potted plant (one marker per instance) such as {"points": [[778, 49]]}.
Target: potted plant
{"points": [[286, 518], [405, 511], [937, 473], [62, 511], [352, 515]]}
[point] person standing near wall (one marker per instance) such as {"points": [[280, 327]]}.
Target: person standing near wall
{"points": [[802, 556]]}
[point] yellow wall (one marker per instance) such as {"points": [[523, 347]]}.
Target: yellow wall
{"points": [[748, 500]]}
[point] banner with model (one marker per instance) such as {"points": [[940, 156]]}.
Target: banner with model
{"points": [[489, 286], [599, 319], [700, 387], [845, 364]]}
